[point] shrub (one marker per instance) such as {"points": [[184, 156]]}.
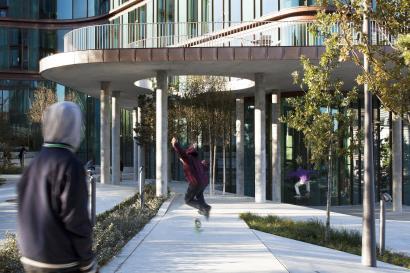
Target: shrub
{"points": [[9, 255], [10, 169], [114, 228]]}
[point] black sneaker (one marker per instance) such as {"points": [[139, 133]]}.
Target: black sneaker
{"points": [[204, 212]]}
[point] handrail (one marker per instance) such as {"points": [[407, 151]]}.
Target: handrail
{"points": [[202, 34]]}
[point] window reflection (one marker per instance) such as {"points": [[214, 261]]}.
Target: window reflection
{"points": [[269, 6]]}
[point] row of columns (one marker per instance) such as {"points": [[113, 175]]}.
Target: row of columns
{"points": [[110, 141], [259, 138], [162, 139], [114, 149], [260, 144]]}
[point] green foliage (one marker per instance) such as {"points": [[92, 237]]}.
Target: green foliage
{"points": [[9, 255], [323, 113], [388, 77], [313, 231], [146, 129], [116, 227], [403, 44], [113, 230]]}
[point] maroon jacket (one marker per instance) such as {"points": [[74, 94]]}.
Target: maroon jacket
{"points": [[195, 170]]}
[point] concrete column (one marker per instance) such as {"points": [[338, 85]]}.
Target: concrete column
{"points": [[260, 140], [105, 149], [276, 150], [240, 174], [162, 133], [135, 144], [397, 152], [115, 141]]}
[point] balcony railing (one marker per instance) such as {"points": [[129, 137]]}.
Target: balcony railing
{"points": [[202, 34]]}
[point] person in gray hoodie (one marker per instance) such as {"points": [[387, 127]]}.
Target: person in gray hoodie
{"points": [[54, 229]]}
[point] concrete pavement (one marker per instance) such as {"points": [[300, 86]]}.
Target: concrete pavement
{"points": [[225, 244], [107, 197]]}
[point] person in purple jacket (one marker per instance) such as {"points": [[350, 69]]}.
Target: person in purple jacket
{"points": [[196, 174], [304, 176]]}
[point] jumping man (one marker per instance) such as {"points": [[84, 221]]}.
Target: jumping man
{"points": [[195, 172]]}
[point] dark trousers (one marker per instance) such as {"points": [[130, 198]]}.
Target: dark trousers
{"points": [[194, 197], [32, 269]]}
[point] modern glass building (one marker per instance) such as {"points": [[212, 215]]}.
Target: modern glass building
{"points": [[31, 30]]}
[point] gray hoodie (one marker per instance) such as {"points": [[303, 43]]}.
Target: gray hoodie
{"points": [[62, 124]]}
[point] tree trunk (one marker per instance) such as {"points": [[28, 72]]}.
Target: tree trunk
{"points": [[210, 163], [214, 169], [369, 229], [224, 166], [329, 195]]}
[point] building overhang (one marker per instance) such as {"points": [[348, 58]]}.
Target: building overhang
{"points": [[85, 70]]}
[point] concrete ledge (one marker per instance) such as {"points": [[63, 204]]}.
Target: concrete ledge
{"points": [[115, 264]]}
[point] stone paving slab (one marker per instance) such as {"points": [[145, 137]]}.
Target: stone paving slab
{"points": [[300, 257], [223, 244]]}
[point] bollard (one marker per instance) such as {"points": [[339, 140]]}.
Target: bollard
{"points": [[385, 197], [141, 182], [93, 186]]}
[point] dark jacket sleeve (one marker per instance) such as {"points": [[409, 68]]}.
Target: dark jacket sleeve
{"points": [[74, 212], [181, 152]]}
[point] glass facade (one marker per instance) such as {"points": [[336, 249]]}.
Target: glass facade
{"points": [[53, 9], [20, 52]]}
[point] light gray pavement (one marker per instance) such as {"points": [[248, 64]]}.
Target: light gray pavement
{"points": [[170, 243], [107, 197]]}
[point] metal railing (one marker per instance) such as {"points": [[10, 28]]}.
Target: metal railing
{"points": [[202, 34]]}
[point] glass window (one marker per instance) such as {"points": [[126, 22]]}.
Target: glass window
{"points": [[284, 4], [64, 9], [218, 14], [3, 12], [170, 10], [91, 8], [236, 10], [247, 10], [80, 8], [269, 6]]}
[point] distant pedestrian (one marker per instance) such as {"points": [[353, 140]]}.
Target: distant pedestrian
{"points": [[196, 174], [22, 152], [54, 228], [121, 169]]}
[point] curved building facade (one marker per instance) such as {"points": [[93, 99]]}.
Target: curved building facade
{"points": [[31, 30]]}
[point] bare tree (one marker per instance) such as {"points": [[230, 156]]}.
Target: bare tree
{"points": [[43, 97]]}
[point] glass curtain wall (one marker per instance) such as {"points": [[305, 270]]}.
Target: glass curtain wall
{"points": [[54, 9]]}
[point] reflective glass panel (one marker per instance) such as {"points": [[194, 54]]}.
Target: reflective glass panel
{"points": [[247, 10], [290, 3], [80, 8], [269, 6], [64, 9], [235, 10]]}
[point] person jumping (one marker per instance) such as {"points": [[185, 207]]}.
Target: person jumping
{"points": [[195, 172]]}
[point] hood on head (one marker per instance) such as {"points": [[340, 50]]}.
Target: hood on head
{"points": [[62, 123], [192, 151]]}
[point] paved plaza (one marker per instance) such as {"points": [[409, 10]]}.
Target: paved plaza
{"points": [[170, 243], [107, 197]]}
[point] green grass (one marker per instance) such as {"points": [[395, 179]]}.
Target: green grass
{"points": [[313, 231], [113, 230]]}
